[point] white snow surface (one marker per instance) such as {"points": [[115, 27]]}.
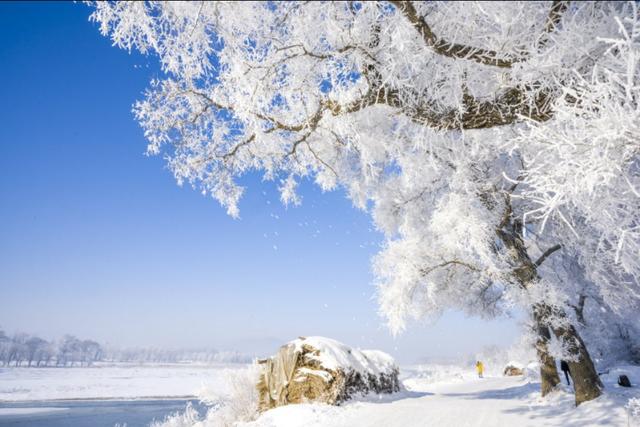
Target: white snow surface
{"points": [[465, 400], [115, 381], [334, 355], [433, 395]]}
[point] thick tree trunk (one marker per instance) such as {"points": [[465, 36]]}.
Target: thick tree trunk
{"points": [[526, 274], [548, 371], [586, 383]]}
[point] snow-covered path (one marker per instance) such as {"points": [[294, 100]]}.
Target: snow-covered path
{"points": [[491, 402]]}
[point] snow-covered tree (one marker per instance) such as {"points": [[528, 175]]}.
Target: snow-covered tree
{"points": [[486, 139], [36, 348], [5, 346], [91, 352]]}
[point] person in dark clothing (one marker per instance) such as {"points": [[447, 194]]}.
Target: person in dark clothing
{"points": [[564, 367]]}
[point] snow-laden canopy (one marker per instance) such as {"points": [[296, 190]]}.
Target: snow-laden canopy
{"points": [[495, 144]]}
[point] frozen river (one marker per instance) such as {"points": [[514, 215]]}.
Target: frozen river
{"points": [[104, 395], [88, 413]]}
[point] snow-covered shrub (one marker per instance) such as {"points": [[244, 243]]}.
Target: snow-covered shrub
{"points": [[242, 402], [633, 409], [188, 418], [239, 404]]}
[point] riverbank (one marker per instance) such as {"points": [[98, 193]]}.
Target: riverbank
{"points": [[166, 381]]}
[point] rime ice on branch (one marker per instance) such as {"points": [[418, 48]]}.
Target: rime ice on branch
{"points": [[495, 144]]}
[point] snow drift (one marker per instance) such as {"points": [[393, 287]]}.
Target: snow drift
{"points": [[318, 369]]}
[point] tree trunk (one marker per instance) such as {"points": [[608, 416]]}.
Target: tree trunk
{"points": [[586, 383], [526, 274], [548, 371]]}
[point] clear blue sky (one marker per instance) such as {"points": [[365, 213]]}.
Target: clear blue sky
{"points": [[97, 240]]}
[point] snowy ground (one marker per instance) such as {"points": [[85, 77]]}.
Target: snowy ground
{"points": [[110, 382], [463, 400], [435, 396]]}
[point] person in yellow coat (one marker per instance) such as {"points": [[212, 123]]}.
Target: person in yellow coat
{"points": [[479, 368]]}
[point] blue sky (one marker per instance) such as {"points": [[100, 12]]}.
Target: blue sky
{"points": [[97, 240]]}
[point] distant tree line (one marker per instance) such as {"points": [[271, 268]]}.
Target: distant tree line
{"points": [[27, 350], [159, 355]]}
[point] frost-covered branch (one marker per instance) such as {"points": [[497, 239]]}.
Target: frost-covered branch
{"points": [[421, 112], [556, 12], [446, 48]]}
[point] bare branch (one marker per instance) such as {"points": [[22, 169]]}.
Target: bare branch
{"points": [[195, 24], [296, 143], [319, 159], [235, 149], [546, 254], [429, 270]]}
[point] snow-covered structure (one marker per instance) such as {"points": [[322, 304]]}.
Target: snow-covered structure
{"points": [[513, 369], [318, 369]]}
